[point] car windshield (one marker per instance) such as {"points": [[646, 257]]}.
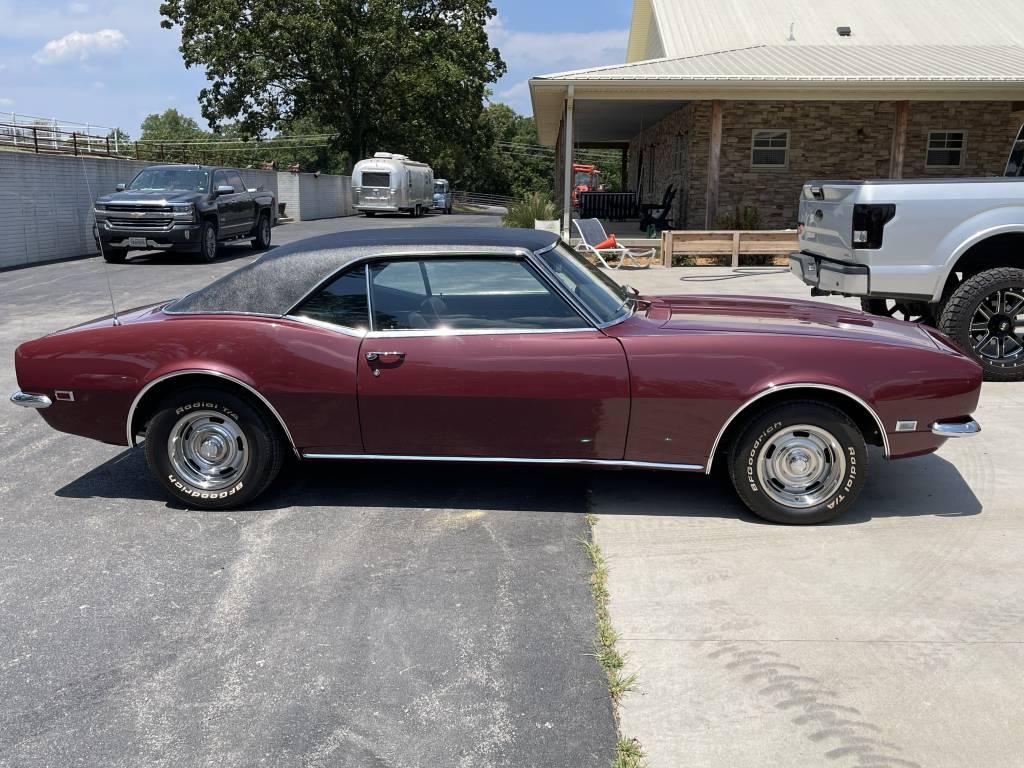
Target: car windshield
{"points": [[439, 189], [606, 299], [171, 180], [582, 178]]}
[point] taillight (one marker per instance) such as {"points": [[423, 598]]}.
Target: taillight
{"points": [[869, 223]]}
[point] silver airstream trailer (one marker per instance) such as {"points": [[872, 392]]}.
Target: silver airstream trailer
{"points": [[389, 183]]}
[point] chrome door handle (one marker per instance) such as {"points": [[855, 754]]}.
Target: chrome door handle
{"points": [[384, 357]]}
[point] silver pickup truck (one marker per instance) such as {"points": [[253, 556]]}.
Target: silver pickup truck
{"points": [[946, 252]]}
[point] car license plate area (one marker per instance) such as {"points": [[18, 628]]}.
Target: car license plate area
{"points": [[136, 242]]}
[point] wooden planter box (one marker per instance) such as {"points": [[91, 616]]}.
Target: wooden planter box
{"points": [[713, 244]]}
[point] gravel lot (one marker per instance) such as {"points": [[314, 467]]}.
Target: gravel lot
{"points": [[361, 615]]}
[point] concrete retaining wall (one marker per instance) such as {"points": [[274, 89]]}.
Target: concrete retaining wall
{"points": [[46, 201]]}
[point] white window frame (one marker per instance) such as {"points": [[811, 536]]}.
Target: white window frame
{"points": [[753, 149], [928, 148]]}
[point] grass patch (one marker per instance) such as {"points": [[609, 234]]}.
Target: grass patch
{"points": [[628, 753]]}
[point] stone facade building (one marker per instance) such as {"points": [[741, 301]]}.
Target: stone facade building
{"points": [[738, 110]]}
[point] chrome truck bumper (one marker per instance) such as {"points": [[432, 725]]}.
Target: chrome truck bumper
{"points": [[27, 400], [956, 428], [826, 276]]}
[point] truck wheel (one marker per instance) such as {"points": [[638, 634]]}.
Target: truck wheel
{"points": [[208, 241], [262, 240], [369, 214], [799, 463], [448, 211], [211, 449], [985, 317], [910, 311], [115, 255]]}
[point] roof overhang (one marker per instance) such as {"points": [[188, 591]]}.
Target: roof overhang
{"points": [[548, 96]]}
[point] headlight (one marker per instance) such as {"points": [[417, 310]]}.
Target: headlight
{"points": [[179, 208], [100, 206]]}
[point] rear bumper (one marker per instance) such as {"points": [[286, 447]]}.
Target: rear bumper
{"points": [[28, 400], [831, 276], [178, 237]]}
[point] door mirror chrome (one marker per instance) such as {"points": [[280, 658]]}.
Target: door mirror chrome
{"points": [[120, 187], [225, 189]]}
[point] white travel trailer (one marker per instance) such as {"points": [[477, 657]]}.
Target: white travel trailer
{"points": [[390, 183]]}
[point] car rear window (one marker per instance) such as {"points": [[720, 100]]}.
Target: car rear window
{"points": [[340, 302], [376, 179]]}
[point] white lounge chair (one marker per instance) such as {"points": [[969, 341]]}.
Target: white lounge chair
{"points": [[592, 234]]}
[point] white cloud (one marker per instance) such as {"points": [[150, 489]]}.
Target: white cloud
{"points": [[6, 102], [81, 46], [542, 51]]}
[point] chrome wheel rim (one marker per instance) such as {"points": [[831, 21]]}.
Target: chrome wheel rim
{"points": [[997, 328], [208, 450], [801, 466]]}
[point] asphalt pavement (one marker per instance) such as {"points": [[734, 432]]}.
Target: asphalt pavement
{"points": [[359, 615]]}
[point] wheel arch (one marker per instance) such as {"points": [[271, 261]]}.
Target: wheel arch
{"points": [[862, 414], [986, 247], [144, 405]]}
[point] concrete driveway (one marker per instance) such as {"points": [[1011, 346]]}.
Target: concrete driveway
{"points": [[358, 616], [891, 638]]}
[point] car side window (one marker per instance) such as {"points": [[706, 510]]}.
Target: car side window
{"points": [[220, 179], [341, 302], [235, 180], [466, 294]]}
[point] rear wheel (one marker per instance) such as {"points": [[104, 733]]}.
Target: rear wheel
{"points": [[208, 241], [910, 311], [799, 463], [115, 255], [212, 449], [263, 229], [985, 317]]}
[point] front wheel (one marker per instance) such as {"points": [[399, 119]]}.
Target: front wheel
{"points": [[115, 255], [211, 449], [799, 463], [985, 317], [208, 241], [263, 229]]}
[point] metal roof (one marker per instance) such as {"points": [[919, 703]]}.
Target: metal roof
{"points": [[277, 281], [686, 27], [816, 63]]}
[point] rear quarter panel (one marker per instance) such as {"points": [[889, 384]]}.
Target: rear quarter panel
{"points": [[306, 373]]}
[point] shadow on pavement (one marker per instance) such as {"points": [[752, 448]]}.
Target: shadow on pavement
{"points": [[225, 252], [925, 486]]}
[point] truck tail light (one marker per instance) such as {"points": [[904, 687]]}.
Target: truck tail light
{"points": [[869, 223]]}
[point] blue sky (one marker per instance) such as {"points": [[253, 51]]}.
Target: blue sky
{"points": [[108, 62]]}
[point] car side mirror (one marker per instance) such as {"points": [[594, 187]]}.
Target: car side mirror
{"points": [[225, 189], [120, 187]]}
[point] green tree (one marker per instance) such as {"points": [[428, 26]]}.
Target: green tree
{"points": [[403, 75], [171, 126]]}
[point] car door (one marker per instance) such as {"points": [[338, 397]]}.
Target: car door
{"points": [[244, 208], [483, 357], [227, 208]]}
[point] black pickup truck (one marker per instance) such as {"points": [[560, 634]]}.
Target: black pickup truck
{"points": [[188, 208]]}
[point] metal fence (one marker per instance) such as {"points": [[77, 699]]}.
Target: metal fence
{"points": [[57, 139], [479, 198]]}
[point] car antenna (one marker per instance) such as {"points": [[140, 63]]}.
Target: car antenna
{"points": [[99, 241]]}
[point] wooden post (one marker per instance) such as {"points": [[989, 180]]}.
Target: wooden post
{"points": [[666, 248], [74, 143], [567, 182], [735, 249], [35, 140], [625, 170], [899, 140], [137, 155], [714, 164]]}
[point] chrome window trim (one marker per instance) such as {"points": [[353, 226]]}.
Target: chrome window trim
{"points": [[433, 332], [782, 388], [581, 307], [323, 324], [215, 374], [538, 270], [505, 460]]}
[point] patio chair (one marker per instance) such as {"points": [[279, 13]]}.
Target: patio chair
{"points": [[657, 216], [592, 235]]}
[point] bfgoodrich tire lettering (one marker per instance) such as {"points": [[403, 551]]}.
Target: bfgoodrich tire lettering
{"points": [[250, 448], [799, 463]]}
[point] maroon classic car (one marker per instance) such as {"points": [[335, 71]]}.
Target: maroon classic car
{"points": [[497, 345]]}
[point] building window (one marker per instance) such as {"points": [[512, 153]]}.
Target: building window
{"points": [[770, 149], [679, 153], [946, 149]]}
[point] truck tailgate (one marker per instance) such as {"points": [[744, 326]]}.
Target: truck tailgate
{"points": [[826, 219]]}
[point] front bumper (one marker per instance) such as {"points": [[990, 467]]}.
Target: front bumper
{"points": [[180, 236], [28, 400], [827, 276], [956, 428]]}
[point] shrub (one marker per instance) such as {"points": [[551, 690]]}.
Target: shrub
{"points": [[742, 218], [535, 205]]}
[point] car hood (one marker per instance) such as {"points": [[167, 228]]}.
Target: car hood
{"points": [[751, 314], [153, 198]]}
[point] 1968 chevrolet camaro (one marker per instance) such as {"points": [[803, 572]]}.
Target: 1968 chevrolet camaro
{"points": [[497, 345]]}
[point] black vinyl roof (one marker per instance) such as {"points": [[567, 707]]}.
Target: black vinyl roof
{"points": [[276, 282]]}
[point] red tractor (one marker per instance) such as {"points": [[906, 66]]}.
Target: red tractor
{"points": [[585, 178]]}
